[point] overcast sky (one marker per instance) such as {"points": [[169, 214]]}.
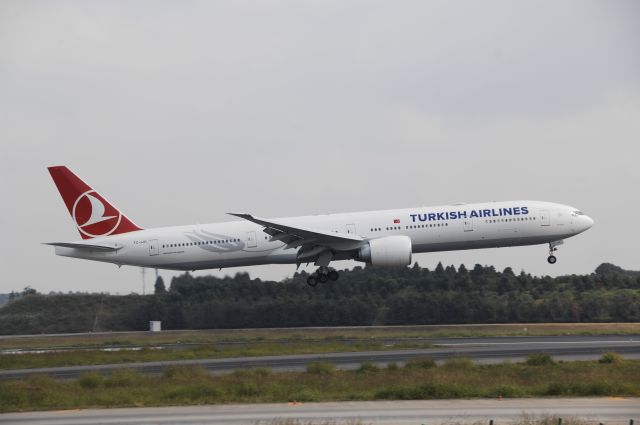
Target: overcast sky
{"points": [[181, 111]]}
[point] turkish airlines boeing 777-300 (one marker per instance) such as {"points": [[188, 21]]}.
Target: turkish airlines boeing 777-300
{"points": [[380, 238]]}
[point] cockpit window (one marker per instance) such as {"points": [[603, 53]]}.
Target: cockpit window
{"points": [[578, 212]]}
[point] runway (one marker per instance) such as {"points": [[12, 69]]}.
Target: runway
{"points": [[486, 350], [610, 411]]}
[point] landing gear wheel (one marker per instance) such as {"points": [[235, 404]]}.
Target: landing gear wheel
{"points": [[333, 275], [552, 248], [312, 281], [323, 278]]}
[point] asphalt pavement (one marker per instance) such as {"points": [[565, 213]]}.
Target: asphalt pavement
{"points": [[611, 411]]}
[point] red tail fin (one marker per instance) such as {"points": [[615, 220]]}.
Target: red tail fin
{"points": [[92, 214]]}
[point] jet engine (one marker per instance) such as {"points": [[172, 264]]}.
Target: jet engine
{"points": [[390, 251]]}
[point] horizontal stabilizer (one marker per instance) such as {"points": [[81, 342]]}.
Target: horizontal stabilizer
{"points": [[93, 247]]}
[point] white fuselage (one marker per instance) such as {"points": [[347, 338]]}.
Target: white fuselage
{"points": [[440, 228]]}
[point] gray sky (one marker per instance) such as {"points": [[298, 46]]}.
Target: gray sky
{"points": [[181, 111]]}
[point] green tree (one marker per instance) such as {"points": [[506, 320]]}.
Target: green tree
{"points": [[159, 285]]}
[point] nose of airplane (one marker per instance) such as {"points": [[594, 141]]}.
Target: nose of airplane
{"points": [[586, 222]]}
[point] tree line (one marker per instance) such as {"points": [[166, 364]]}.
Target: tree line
{"points": [[362, 296]]}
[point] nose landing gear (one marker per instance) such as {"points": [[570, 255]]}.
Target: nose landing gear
{"points": [[322, 275], [552, 248]]}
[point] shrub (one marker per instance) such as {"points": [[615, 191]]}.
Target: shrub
{"points": [[421, 363], [262, 372], [610, 357], [90, 380], [368, 367], [38, 380], [191, 393], [123, 378], [392, 366], [305, 394], [459, 363], [321, 368], [186, 373], [555, 388], [585, 389], [508, 391], [247, 389], [539, 359], [427, 391]]}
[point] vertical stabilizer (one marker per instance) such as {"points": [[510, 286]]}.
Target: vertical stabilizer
{"points": [[92, 214]]}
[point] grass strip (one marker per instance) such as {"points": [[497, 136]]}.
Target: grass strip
{"points": [[421, 379], [284, 335], [95, 357]]}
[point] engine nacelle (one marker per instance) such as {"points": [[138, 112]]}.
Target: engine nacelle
{"points": [[390, 251]]}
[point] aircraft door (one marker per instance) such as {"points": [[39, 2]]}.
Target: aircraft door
{"points": [[545, 218], [351, 229], [468, 224], [154, 249], [252, 242]]}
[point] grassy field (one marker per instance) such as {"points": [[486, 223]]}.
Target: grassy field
{"points": [[422, 379], [87, 349], [208, 351], [367, 333]]}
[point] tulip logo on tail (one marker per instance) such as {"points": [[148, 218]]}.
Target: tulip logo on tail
{"points": [[94, 216]]}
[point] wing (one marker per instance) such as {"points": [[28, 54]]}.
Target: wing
{"points": [[86, 246], [315, 245]]}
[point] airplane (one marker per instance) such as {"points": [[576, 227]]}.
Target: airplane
{"points": [[380, 238]]}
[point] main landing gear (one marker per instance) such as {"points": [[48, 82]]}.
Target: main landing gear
{"points": [[322, 275]]}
